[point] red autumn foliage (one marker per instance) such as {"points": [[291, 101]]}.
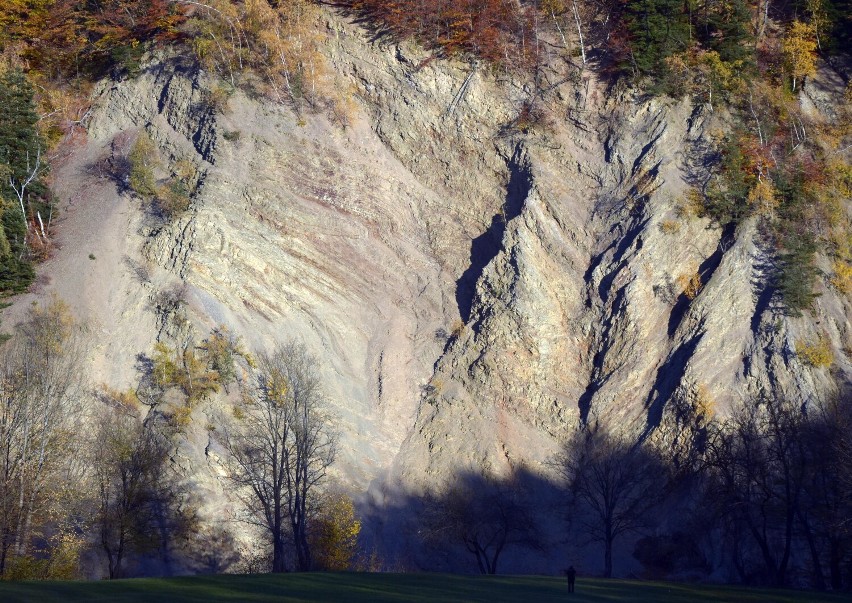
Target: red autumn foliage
{"points": [[498, 31], [62, 38], [756, 157]]}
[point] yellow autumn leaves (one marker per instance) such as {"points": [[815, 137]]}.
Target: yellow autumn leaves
{"points": [[798, 48], [334, 534]]}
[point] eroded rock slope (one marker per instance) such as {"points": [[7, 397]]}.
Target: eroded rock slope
{"points": [[475, 291]]}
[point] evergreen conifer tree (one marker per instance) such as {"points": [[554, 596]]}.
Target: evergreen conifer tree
{"points": [[658, 29], [20, 143]]}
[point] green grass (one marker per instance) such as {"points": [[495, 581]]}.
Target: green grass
{"points": [[372, 588]]}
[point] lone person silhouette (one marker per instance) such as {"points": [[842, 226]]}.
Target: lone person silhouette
{"points": [[571, 574]]}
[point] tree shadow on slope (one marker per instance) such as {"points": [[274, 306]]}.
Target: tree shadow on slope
{"points": [[525, 521], [474, 522]]}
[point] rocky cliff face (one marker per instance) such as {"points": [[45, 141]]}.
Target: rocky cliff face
{"points": [[475, 291]]}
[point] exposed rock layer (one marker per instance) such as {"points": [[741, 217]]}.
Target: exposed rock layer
{"points": [[474, 292]]}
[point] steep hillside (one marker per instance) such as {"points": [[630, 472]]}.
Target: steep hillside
{"points": [[475, 290]]}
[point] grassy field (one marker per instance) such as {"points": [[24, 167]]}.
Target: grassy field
{"points": [[392, 587]]}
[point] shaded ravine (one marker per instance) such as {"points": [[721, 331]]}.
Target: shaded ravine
{"points": [[486, 246]]}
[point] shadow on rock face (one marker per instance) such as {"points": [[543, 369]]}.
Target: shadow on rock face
{"points": [[486, 246]]}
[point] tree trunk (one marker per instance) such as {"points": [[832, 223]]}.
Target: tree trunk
{"points": [[303, 550], [479, 563], [278, 521], [818, 577], [781, 577], [835, 557], [4, 549], [579, 32], [300, 537], [492, 569], [608, 557], [278, 554], [772, 569], [113, 558]]}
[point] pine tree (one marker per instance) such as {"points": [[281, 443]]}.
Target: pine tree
{"points": [[20, 143], [728, 31], [19, 138], [658, 29]]}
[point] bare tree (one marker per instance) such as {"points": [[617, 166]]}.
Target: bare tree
{"points": [[280, 452], [613, 486], [824, 504], [484, 514], [40, 407], [758, 463], [138, 502], [776, 473]]}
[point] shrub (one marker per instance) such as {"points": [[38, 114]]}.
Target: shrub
{"points": [[221, 347], [128, 58], [670, 226], [842, 279], [691, 205], [703, 403], [181, 417], [126, 401], [173, 199], [143, 161], [217, 99], [457, 329], [666, 554], [817, 354], [60, 560], [185, 370], [690, 283], [334, 534]]}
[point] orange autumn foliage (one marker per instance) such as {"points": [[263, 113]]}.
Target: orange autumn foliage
{"points": [[498, 31]]}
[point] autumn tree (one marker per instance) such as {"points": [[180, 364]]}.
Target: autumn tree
{"points": [[280, 450], [67, 38], [502, 32], [334, 533], [40, 413], [277, 41], [799, 50], [137, 502]]}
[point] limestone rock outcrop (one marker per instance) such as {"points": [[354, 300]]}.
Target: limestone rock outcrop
{"points": [[474, 291]]}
